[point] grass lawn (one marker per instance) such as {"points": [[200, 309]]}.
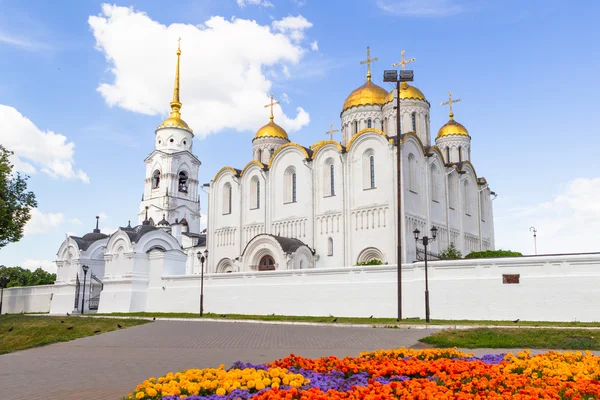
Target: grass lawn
{"points": [[566, 339], [355, 320], [18, 331]]}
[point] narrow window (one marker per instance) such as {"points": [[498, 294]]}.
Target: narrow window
{"points": [[355, 126], [433, 183], [414, 122], [257, 193], [330, 247], [427, 125], [156, 179], [272, 152], [332, 180], [254, 193], [227, 199], [294, 187], [466, 198], [372, 170], [451, 193], [482, 209], [368, 123], [459, 154], [183, 182], [259, 155], [448, 155], [412, 173]]}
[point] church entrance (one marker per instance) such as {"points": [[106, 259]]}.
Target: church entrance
{"points": [[267, 263]]}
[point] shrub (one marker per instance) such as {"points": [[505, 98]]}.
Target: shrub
{"points": [[374, 261], [494, 254], [451, 253]]}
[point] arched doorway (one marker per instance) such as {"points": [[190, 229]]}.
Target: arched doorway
{"points": [[266, 263]]}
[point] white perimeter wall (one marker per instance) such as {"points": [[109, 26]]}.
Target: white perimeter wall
{"points": [[27, 299], [551, 288]]}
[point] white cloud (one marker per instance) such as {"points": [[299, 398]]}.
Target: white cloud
{"points": [[568, 223], [46, 265], [21, 42], [48, 151], [294, 27], [43, 223], [314, 46], [224, 68], [262, 3], [284, 98], [427, 8]]}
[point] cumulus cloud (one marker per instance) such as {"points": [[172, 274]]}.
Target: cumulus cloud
{"points": [[43, 223], [293, 27], [567, 223], [314, 46], [36, 149], [426, 8], [224, 67], [46, 265], [262, 3]]}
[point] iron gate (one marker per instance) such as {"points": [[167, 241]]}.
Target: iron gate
{"points": [[96, 287]]}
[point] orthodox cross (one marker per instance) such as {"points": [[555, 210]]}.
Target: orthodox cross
{"points": [[449, 102], [403, 62], [368, 61], [271, 104], [331, 131]]}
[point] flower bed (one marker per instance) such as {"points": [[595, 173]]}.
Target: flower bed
{"points": [[390, 374]]}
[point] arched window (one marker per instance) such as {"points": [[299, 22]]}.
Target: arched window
{"points": [[330, 246], [369, 123], [448, 155], [332, 179], [452, 192], [383, 123], [259, 155], [433, 181], [466, 198], [414, 122], [183, 182], [156, 179], [254, 193], [412, 173], [368, 170], [482, 209], [427, 125], [328, 178], [460, 154], [355, 126], [289, 194], [272, 152], [227, 198]]}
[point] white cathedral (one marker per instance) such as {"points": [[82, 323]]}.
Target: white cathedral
{"points": [[329, 205]]}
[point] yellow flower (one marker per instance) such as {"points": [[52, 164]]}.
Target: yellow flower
{"points": [[260, 386], [140, 395], [221, 391], [151, 392]]}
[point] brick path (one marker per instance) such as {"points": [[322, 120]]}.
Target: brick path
{"points": [[110, 365]]}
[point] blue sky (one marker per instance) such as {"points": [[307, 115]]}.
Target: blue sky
{"points": [[84, 86]]}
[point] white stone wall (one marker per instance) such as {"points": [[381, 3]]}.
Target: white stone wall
{"points": [[551, 288], [30, 299]]}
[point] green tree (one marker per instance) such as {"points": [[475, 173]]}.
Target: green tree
{"points": [[15, 201], [18, 276], [494, 254], [451, 253]]}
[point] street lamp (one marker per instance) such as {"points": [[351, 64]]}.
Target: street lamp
{"points": [[3, 282], [425, 240], [85, 270], [202, 259], [532, 229], [393, 76]]}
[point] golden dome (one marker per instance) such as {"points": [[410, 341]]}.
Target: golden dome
{"points": [[271, 130], [174, 120], [407, 92], [367, 94], [452, 128]]}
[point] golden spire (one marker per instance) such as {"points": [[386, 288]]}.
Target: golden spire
{"points": [[176, 104], [271, 104], [449, 102], [403, 63], [368, 61], [331, 131]]}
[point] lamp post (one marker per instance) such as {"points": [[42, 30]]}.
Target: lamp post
{"points": [[85, 270], [404, 76], [425, 240], [3, 282], [532, 229], [202, 259]]}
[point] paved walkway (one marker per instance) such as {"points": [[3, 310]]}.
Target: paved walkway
{"points": [[110, 365]]}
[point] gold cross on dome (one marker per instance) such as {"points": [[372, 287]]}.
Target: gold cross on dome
{"points": [[449, 102], [403, 62], [179, 43], [331, 131], [271, 104], [368, 61]]}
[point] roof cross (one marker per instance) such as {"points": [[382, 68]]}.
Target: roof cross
{"points": [[403, 62], [331, 131], [368, 61], [271, 104], [449, 102]]}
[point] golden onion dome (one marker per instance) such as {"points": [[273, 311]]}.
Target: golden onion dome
{"points": [[271, 130], [174, 120], [452, 128], [367, 94], [407, 92]]}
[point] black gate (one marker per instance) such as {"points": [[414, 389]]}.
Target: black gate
{"points": [[431, 256], [77, 284], [96, 287]]}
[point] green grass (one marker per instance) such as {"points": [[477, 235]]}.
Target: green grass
{"points": [[497, 338], [29, 331], [353, 320]]}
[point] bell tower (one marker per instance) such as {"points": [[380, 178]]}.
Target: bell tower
{"points": [[171, 185]]}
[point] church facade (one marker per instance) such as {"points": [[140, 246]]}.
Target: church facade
{"points": [[334, 203]]}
